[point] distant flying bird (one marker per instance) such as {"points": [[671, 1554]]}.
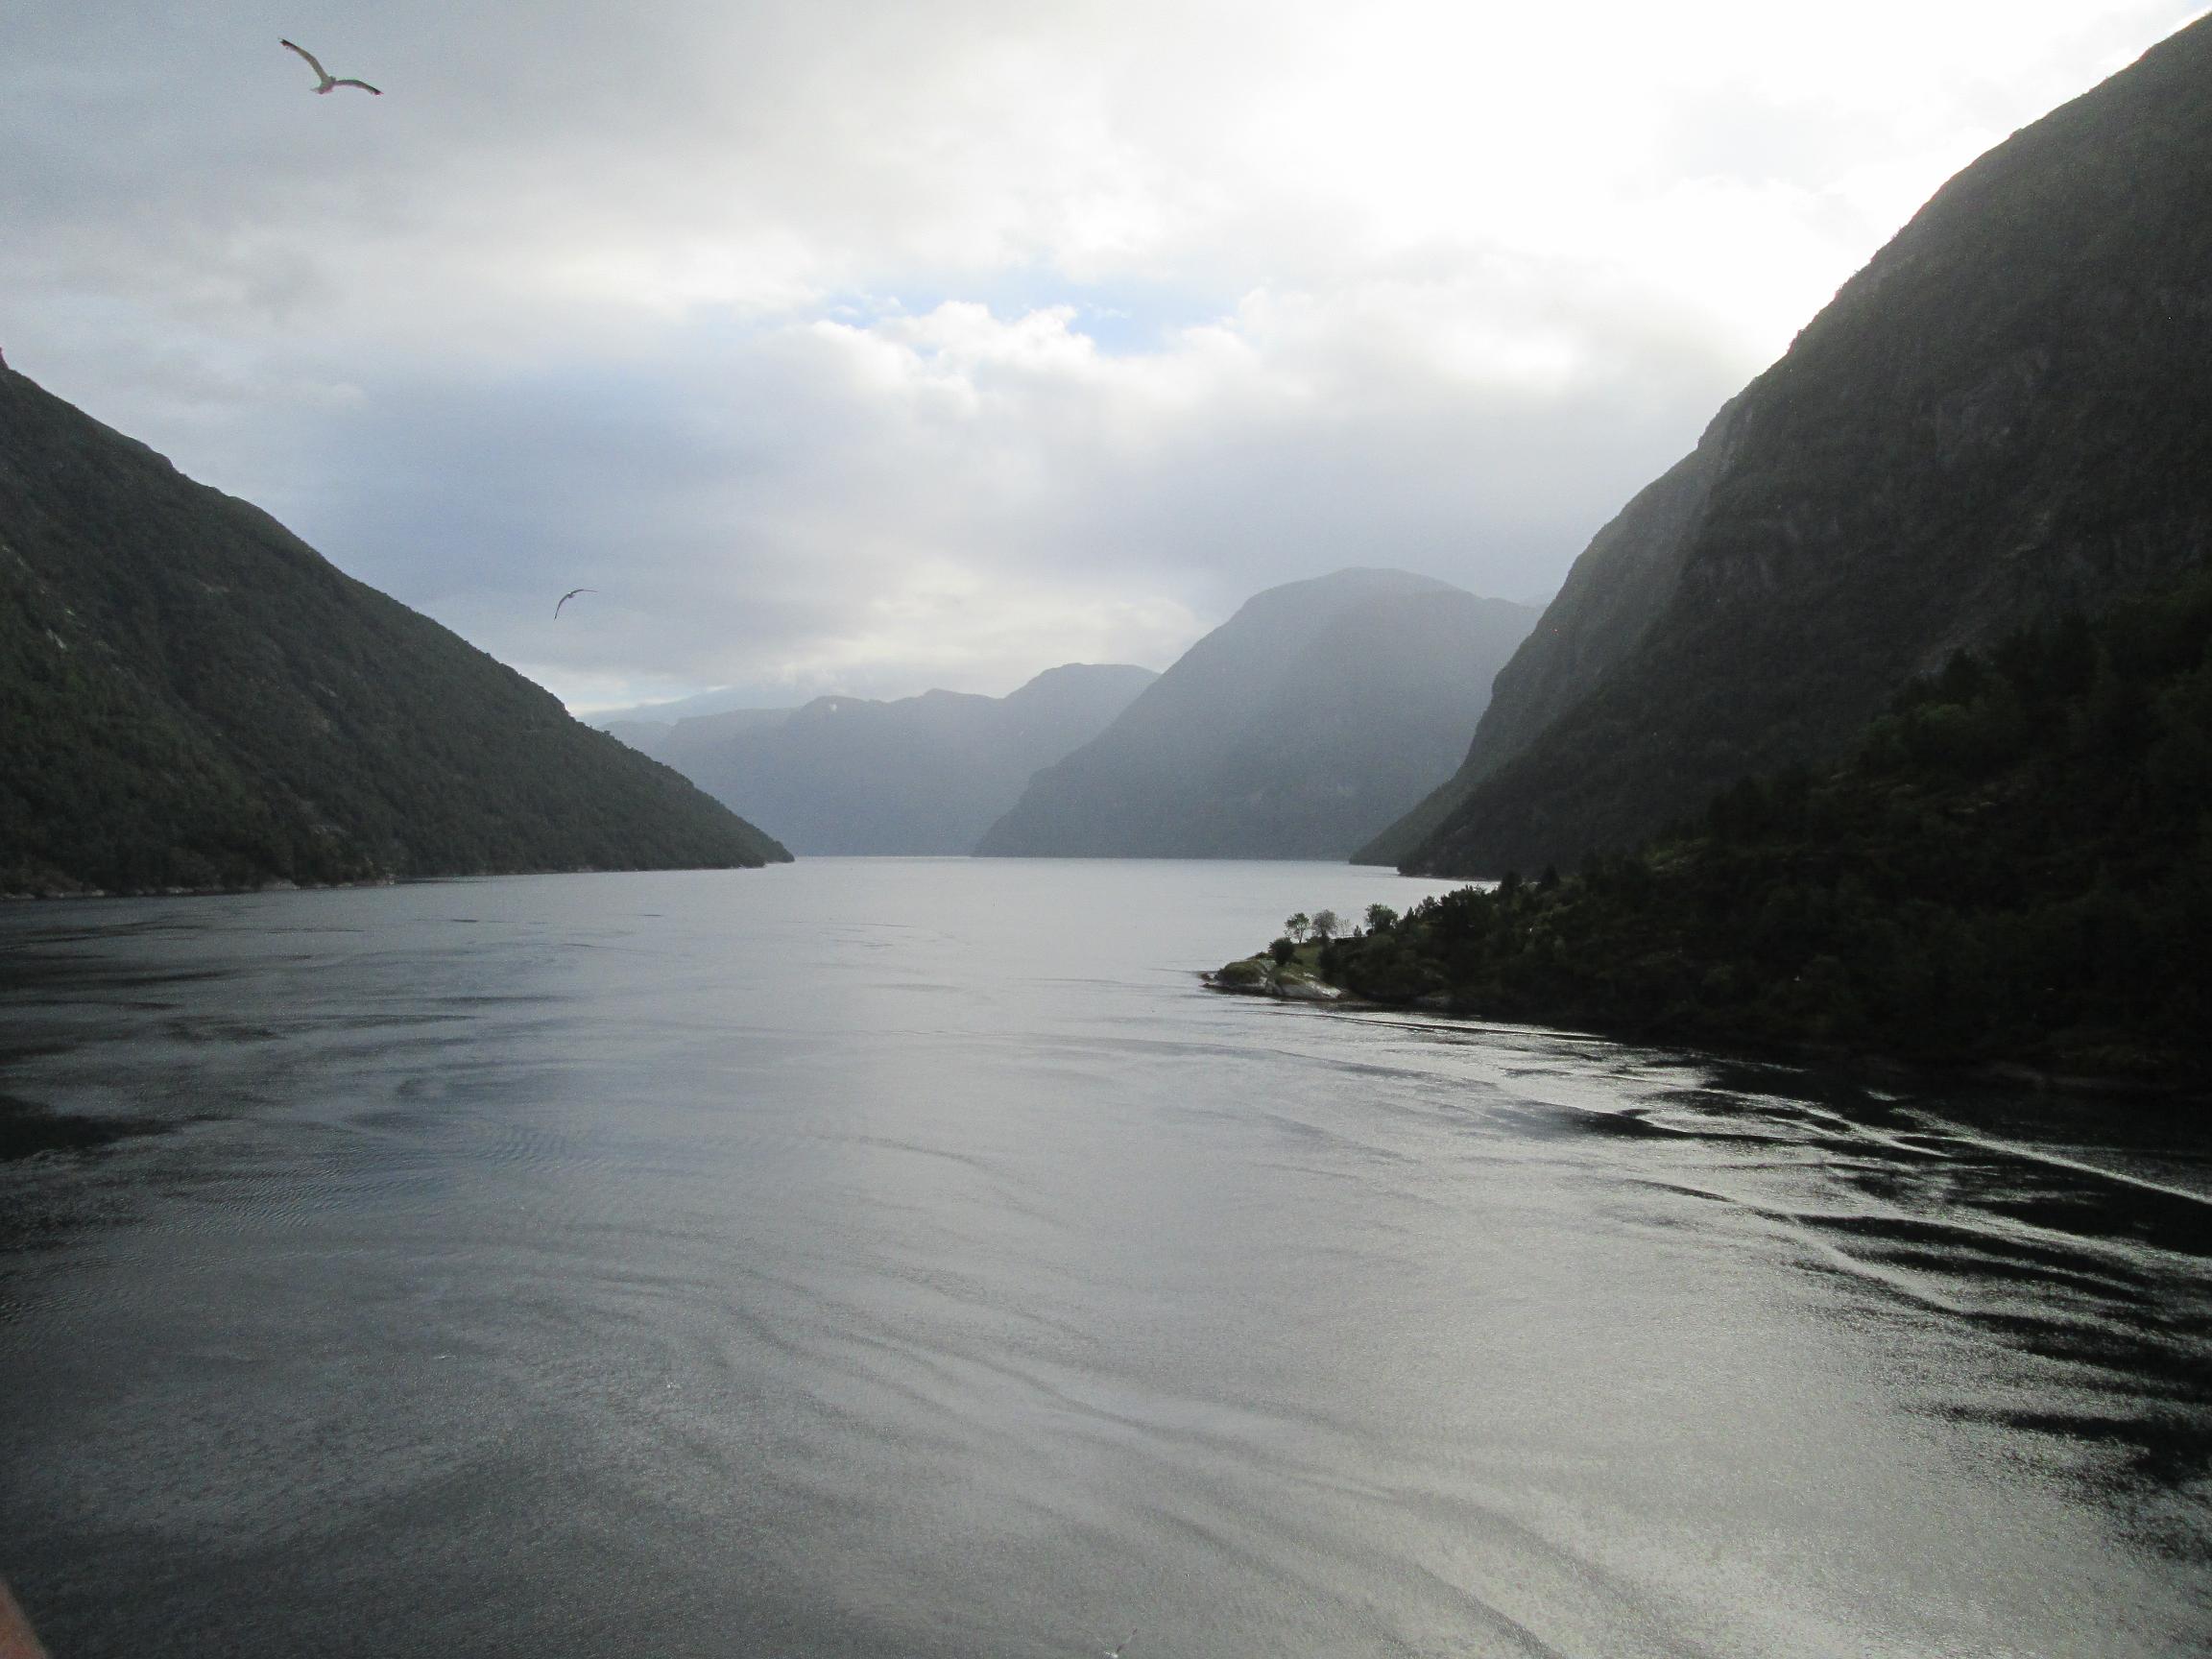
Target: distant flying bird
{"points": [[330, 83], [1115, 1652], [566, 597]]}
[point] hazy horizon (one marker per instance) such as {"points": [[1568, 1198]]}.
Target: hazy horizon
{"points": [[726, 699]]}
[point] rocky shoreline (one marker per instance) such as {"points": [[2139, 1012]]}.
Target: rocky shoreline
{"points": [[1262, 977]]}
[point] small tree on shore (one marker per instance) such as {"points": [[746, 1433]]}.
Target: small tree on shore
{"points": [[1297, 928], [1326, 926]]}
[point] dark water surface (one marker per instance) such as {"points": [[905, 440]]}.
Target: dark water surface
{"points": [[904, 1257]]}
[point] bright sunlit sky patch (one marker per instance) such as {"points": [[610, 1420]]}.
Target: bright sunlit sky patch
{"points": [[867, 348]]}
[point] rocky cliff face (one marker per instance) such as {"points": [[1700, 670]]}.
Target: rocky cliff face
{"points": [[1319, 712], [193, 697], [2005, 415]]}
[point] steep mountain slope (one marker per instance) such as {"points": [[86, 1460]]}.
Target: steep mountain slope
{"points": [[193, 697], [1612, 595], [1316, 714], [928, 773], [2015, 864], [2005, 415]]}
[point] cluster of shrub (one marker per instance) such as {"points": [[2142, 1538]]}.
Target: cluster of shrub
{"points": [[2015, 864]]}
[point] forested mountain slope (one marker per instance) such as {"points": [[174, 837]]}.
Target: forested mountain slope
{"points": [[191, 697], [2005, 416], [2015, 864]]}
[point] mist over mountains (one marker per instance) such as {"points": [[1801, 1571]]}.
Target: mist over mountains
{"points": [[2004, 417], [192, 697], [1312, 717], [1300, 727], [917, 775]]}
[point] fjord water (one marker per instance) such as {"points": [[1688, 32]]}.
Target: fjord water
{"points": [[906, 1257]]}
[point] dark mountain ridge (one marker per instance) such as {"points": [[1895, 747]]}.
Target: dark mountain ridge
{"points": [[2003, 416], [191, 697], [1314, 715], [2014, 865]]}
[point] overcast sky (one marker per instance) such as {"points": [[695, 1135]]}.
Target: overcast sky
{"points": [[868, 348]]}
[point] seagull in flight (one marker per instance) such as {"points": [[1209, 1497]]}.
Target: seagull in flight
{"points": [[1114, 1652], [566, 597], [330, 83]]}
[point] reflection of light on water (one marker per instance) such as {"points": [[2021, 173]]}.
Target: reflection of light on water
{"points": [[854, 1319]]}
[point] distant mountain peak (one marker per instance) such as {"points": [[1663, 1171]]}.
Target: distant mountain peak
{"points": [[925, 774], [1316, 713]]}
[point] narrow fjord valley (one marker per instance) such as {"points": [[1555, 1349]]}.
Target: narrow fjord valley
{"points": [[1736, 1182], [1314, 715], [919, 775]]}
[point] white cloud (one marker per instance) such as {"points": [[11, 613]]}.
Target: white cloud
{"points": [[938, 341]]}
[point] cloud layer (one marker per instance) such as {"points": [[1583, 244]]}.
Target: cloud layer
{"points": [[867, 348]]}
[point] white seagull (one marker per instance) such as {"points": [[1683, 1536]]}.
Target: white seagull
{"points": [[330, 83], [1114, 1652], [566, 597]]}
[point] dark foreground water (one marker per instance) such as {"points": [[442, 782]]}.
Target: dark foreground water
{"points": [[904, 1257]]}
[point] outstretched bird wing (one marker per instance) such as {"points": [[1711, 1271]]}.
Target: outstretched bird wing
{"points": [[321, 73], [363, 84]]}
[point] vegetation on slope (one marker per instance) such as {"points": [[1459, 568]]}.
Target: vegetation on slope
{"points": [[192, 697], [2004, 417], [2015, 864]]}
